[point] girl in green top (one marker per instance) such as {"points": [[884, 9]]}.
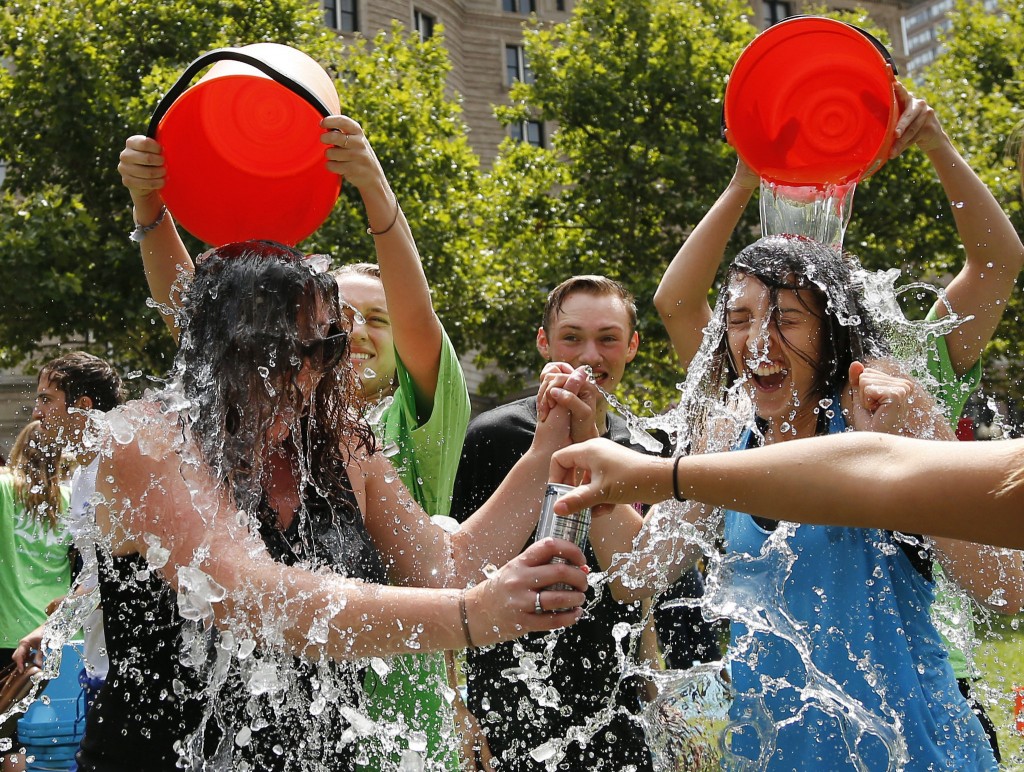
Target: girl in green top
{"points": [[34, 566]]}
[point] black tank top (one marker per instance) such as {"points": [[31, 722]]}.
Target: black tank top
{"points": [[151, 701], [304, 724]]}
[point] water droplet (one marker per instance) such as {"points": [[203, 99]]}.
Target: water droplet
{"points": [[544, 752], [418, 741]]}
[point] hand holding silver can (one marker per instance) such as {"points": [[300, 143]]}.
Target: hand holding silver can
{"points": [[574, 527]]}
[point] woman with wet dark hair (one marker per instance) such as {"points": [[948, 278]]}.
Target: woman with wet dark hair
{"points": [[960, 324], [850, 664], [822, 282], [410, 379], [249, 496]]}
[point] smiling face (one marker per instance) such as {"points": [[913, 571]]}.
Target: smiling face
{"points": [[591, 329], [777, 349], [371, 340]]}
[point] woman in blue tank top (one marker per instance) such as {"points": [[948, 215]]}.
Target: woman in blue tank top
{"points": [[858, 675]]}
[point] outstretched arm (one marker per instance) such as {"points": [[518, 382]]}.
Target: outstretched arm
{"points": [[416, 328], [221, 570], [860, 479], [682, 296], [994, 253], [164, 256]]}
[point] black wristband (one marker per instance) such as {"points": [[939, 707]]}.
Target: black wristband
{"points": [[675, 480]]}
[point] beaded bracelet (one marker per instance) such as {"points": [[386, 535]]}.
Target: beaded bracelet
{"points": [[140, 231]]}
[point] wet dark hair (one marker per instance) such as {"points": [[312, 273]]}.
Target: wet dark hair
{"points": [[587, 284], [811, 269], [241, 351], [80, 374]]}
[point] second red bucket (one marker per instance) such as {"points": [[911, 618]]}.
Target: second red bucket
{"points": [[242, 146], [811, 101]]}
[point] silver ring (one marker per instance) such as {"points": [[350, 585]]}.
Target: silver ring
{"points": [[345, 143], [537, 608]]}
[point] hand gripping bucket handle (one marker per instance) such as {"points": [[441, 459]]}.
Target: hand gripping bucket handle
{"points": [[233, 54]]}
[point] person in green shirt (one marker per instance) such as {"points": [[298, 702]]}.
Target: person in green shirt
{"points": [[34, 565]]}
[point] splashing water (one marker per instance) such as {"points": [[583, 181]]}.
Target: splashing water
{"points": [[819, 213], [322, 700], [638, 430], [748, 589]]}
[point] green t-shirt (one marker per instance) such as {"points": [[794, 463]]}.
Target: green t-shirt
{"points": [[34, 566], [952, 391], [411, 696], [428, 454]]}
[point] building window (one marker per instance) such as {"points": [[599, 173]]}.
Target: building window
{"points": [[923, 38], [341, 15], [423, 23], [531, 132], [776, 11], [516, 67], [559, 5], [525, 7]]}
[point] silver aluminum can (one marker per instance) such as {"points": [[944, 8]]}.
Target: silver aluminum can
{"points": [[574, 527]]}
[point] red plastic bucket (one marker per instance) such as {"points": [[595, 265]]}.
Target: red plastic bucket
{"points": [[811, 101], [242, 146]]}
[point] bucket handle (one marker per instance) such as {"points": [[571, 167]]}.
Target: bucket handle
{"points": [[233, 54]]}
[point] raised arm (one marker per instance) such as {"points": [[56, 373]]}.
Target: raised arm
{"points": [[682, 296], [164, 256], [421, 553], [994, 253], [992, 576], [417, 330]]}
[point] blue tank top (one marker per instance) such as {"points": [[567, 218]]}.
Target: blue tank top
{"points": [[863, 611]]}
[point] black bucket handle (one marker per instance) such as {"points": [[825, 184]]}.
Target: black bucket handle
{"points": [[233, 54]]}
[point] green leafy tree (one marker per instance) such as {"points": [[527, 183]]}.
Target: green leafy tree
{"points": [[635, 88], [84, 76], [80, 78]]}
